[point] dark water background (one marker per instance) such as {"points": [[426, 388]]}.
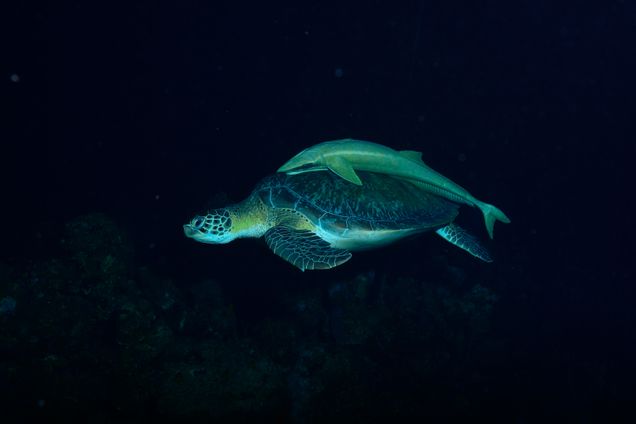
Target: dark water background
{"points": [[120, 122]]}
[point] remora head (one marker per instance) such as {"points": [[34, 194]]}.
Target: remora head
{"points": [[213, 228], [308, 158]]}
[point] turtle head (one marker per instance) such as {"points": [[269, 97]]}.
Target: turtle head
{"points": [[214, 228], [219, 226]]}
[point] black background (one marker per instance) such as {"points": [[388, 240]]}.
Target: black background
{"points": [[148, 111]]}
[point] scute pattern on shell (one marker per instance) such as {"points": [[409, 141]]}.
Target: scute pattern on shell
{"points": [[382, 202]]}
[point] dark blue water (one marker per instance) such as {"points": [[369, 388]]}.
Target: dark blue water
{"points": [[120, 123]]}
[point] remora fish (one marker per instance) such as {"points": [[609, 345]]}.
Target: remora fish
{"points": [[344, 156]]}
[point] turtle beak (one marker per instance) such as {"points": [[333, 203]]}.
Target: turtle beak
{"points": [[188, 230]]}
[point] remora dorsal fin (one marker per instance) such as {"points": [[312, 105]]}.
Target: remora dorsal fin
{"points": [[412, 155], [343, 169]]}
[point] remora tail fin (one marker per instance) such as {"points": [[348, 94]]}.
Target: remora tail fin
{"points": [[491, 215]]}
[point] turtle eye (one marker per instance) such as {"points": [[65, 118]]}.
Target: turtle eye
{"points": [[197, 222]]}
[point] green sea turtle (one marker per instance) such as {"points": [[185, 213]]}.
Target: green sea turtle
{"points": [[315, 220]]}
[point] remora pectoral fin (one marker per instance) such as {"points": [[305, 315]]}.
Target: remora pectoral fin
{"points": [[459, 237], [343, 169], [304, 249]]}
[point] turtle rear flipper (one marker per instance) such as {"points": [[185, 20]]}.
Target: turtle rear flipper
{"points": [[461, 238], [304, 249]]}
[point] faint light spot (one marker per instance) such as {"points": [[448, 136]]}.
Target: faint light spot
{"points": [[14, 78], [7, 305], [462, 157], [152, 246], [41, 403], [338, 72], [157, 197]]}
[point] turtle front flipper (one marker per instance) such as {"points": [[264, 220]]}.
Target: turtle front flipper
{"points": [[304, 249], [460, 238]]}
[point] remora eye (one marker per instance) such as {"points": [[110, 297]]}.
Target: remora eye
{"points": [[198, 222]]}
